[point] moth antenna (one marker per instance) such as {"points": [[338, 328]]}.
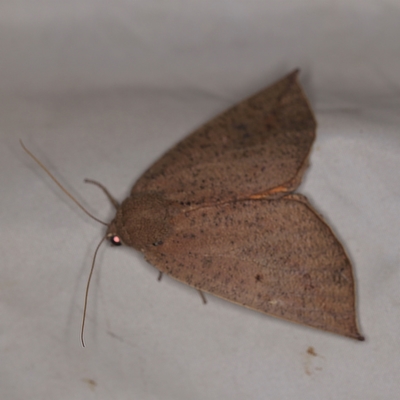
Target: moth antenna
{"points": [[104, 189], [87, 289], [60, 186]]}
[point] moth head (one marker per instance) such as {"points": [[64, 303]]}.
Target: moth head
{"points": [[112, 235]]}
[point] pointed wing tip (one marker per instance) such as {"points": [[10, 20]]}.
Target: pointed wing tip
{"points": [[294, 74], [296, 71], [355, 335]]}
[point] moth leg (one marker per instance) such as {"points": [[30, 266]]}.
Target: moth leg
{"points": [[202, 296], [107, 193], [200, 292]]}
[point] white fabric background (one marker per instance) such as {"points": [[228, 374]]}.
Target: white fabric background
{"points": [[100, 89]]}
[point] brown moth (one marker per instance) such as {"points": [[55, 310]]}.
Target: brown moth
{"points": [[218, 213]]}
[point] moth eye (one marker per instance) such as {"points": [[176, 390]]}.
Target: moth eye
{"points": [[115, 240]]}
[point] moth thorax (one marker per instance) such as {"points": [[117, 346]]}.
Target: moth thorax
{"points": [[143, 220]]}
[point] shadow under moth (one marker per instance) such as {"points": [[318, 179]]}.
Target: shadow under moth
{"points": [[218, 212]]}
